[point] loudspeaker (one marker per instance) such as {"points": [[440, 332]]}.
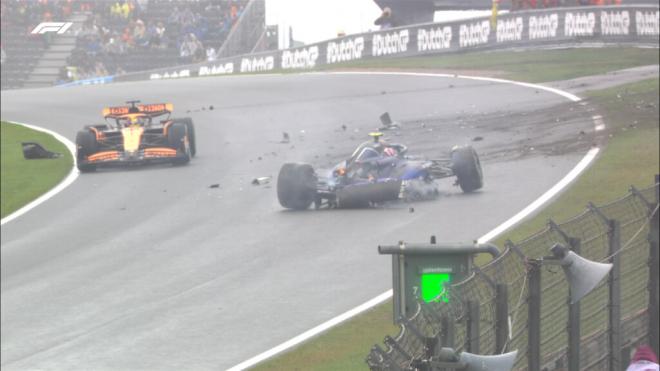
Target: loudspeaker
{"points": [[476, 362], [583, 275]]}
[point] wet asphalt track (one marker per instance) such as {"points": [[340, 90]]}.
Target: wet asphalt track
{"points": [[150, 268]]}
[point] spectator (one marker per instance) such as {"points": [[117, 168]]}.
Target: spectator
{"points": [[188, 49], [88, 28], [126, 9], [233, 11], [63, 76], [644, 359], [385, 20], [115, 46], [160, 29], [72, 73], [198, 55], [127, 37], [211, 54], [140, 34], [115, 10], [186, 18], [156, 34], [175, 16], [100, 70]]}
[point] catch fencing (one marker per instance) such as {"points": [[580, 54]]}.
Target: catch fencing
{"points": [[516, 303]]}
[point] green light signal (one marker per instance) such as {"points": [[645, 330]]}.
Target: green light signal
{"points": [[434, 287]]}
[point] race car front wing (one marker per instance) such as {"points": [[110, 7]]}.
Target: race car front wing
{"points": [[146, 155]]}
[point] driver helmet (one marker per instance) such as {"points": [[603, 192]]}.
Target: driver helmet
{"points": [[389, 152], [137, 120]]}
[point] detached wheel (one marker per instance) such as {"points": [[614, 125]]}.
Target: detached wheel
{"points": [[296, 186], [85, 145], [187, 121], [467, 168], [176, 135]]}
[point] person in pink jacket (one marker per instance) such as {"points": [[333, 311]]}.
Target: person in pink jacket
{"points": [[644, 359]]}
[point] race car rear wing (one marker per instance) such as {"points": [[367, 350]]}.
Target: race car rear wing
{"points": [[152, 110]]}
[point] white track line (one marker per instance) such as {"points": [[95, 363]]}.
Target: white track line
{"points": [[571, 176], [313, 332], [534, 206], [58, 188]]}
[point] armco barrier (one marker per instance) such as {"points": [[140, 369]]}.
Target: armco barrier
{"points": [[613, 24]]}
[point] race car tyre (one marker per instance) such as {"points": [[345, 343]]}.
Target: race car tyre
{"points": [[85, 145], [175, 138], [296, 186], [466, 166], [191, 133]]}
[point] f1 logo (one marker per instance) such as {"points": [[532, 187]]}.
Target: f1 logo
{"points": [[59, 27]]}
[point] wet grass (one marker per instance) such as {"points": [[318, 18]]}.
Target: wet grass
{"points": [[22, 180], [529, 66], [630, 157]]}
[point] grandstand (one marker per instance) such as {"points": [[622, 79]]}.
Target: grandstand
{"points": [[115, 37], [111, 38], [20, 50]]}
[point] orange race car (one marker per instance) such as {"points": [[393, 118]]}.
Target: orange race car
{"points": [[131, 135]]}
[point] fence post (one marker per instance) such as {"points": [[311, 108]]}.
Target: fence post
{"points": [[614, 288], [625, 355], [501, 317], [447, 332], [653, 274], [573, 324], [472, 341], [573, 321], [534, 315]]}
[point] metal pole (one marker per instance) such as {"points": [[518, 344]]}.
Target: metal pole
{"points": [[472, 344], [447, 332], [653, 308], [534, 316], [501, 317], [573, 321], [614, 287], [398, 287], [625, 355]]}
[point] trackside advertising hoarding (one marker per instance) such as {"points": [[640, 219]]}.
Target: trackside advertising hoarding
{"points": [[612, 24]]}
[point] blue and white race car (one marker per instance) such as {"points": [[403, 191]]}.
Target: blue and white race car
{"points": [[376, 172]]}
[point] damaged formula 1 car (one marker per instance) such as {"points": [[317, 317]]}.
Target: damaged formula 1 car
{"points": [[133, 135], [375, 173]]}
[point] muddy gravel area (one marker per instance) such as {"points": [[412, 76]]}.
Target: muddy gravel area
{"points": [[553, 131]]}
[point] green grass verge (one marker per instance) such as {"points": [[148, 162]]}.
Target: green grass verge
{"points": [[630, 158], [24, 180], [530, 66]]}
